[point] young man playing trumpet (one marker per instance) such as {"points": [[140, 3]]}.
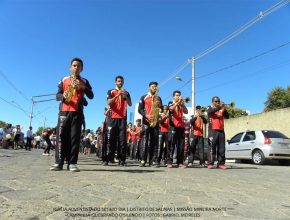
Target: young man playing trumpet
{"points": [[149, 107], [217, 113], [117, 99], [177, 109], [197, 123]]}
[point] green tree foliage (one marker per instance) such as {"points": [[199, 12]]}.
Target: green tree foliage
{"points": [[278, 98], [236, 112], [39, 131], [2, 124]]}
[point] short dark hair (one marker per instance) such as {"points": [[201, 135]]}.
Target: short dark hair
{"points": [[77, 59], [215, 97], [153, 83], [119, 77], [176, 91], [198, 107]]}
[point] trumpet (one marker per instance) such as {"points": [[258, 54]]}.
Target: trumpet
{"points": [[229, 105], [186, 100]]}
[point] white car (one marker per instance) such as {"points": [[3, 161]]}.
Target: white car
{"points": [[259, 146]]}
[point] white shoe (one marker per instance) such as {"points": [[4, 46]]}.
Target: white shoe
{"points": [[73, 168]]}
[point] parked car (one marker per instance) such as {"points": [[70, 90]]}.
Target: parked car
{"points": [[259, 146]]}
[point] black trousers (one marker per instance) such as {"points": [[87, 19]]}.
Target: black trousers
{"points": [[28, 143], [116, 135], [48, 142], [196, 144], [149, 143], [68, 135], [162, 145], [178, 142], [216, 147]]}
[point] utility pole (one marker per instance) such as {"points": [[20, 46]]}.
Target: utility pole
{"points": [[31, 113], [193, 83]]}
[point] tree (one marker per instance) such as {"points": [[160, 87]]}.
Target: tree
{"points": [[236, 112], [278, 98], [2, 124]]}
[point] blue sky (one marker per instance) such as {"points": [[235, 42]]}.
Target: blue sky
{"points": [[143, 41]]}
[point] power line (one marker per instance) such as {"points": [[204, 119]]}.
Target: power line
{"points": [[13, 86], [229, 37], [15, 105], [243, 28], [267, 69], [237, 64]]}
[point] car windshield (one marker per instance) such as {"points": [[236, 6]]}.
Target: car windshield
{"points": [[274, 134]]}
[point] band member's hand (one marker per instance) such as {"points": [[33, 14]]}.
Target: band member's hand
{"points": [[222, 104], [65, 94]]}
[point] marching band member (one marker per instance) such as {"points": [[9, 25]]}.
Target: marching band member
{"points": [[118, 99], [217, 113], [177, 109], [149, 107], [163, 147], [197, 124], [71, 90]]}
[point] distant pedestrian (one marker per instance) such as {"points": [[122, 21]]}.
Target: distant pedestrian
{"points": [[29, 138], [45, 136]]}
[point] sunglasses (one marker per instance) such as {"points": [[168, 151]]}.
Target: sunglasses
{"points": [[217, 101]]}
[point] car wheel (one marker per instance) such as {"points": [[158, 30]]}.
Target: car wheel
{"points": [[284, 162], [258, 157]]}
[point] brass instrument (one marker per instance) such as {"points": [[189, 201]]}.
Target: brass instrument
{"points": [[187, 99], [203, 109], [121, 90], [71, 88], [230, 105], [155, 110]]}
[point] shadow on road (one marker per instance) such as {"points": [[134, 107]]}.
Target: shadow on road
{"points": [[125, 171]]}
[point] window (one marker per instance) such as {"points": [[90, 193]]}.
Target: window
{"points": [[250, 136], [236, 138], [274, 134]]}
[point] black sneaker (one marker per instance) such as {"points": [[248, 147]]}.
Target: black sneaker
{"points": [[56, 167], [123, 164], [105, 163]]}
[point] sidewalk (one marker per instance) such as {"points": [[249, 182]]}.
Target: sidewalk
{"points": [[29, 190]]}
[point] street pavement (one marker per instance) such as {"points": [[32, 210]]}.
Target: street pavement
{"points": [[29, 190]]}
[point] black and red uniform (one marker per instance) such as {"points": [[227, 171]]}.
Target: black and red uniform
{"points": [[176, 117], [217, 135], [117, 126], [70, 120], [148, 133], [197, 143], [163, 148], [105, 150], [137, 150]]}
